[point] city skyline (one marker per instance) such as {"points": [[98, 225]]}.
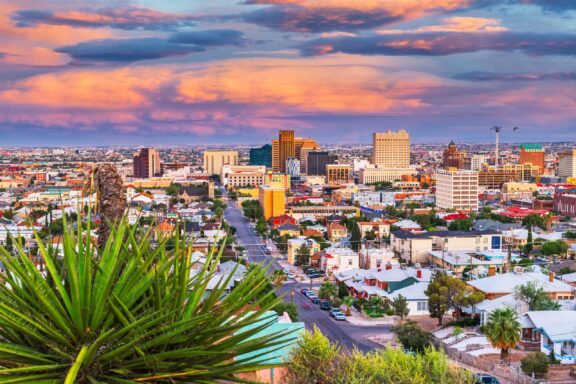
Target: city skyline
{"points": [[235, 72]]}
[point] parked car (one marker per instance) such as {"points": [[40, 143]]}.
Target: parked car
{"points": [[314, 276], [482, 378], [303, 291], [291, 276], [315, 300], [325, 305], [311, 294], [333, 312], [310, 271], [339, 316]]}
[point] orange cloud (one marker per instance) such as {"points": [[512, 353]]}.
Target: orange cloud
{"points": [[455, 24]]}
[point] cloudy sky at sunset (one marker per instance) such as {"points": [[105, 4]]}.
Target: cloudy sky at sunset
{"points": [[150, 72]]}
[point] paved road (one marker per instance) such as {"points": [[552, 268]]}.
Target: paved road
{"points": [[347, 335]]}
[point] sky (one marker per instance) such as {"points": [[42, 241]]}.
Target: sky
{"points": [[151, 72]]}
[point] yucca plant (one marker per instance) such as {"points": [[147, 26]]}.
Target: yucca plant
{"points": [[129, 313]]}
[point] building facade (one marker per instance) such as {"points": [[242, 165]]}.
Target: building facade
{"points": [[457, 189], [565, 204], [376, 174], [567, 163], [317, 161], [242, 175], [214, 160], [272, 201], [391, 149], [339, 173], [452, 157], [532, 154], [146, 164]]}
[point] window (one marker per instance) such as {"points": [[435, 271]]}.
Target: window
{"points": [[422, 305]]}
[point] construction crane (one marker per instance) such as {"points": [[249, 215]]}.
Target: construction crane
{"points": [[497, 130]]}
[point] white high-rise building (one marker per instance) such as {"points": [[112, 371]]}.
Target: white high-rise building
{"points": [[567, 163], [457, 189], [476, 162]]}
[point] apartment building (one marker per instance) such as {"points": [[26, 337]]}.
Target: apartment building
{"points": [[215, 160], [457, 189]]}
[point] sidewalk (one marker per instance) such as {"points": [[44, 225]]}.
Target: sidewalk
{"points": [[358, 319]]}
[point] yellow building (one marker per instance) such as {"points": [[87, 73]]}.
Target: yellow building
{"points": [[153, 182], [278, 180], [272, 201], [391, 149], [339, 173], [253, 192], [294, 246]]}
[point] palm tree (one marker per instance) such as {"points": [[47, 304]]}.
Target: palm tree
{"points": [[503, 330], [348, 301], [128, 313], [327, 290]]}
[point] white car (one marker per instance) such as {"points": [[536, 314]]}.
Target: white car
{"points": [[291, 276]]}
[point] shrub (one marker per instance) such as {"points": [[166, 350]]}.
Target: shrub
{"points": [[535, 363], [412, 337]]}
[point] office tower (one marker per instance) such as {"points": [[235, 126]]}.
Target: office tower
{"points": [[214, 160], [457, 189], [391, 149], [452, 157], [533, 154], [475, 162], [339, 173], [317, 161], [282, 149], [567, 163], [272, 201], [287, 146], [261, 156], [293, 167], [146, 164]]}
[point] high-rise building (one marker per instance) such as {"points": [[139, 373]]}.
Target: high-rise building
{"points": [[457, 189], [293, 167], [339, 173], [261, 156], [475, 162], [272, 201], [391, 149], [146, 164], [452, 157], [317, 161], [214, 160], [287, 146], [567, 163], [533, 154]]}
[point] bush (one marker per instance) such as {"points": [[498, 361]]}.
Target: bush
{"points": [[535, 363], [289, 308], [412, 337], [464, 322], [318, 361]]}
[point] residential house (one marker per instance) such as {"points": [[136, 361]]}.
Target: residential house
{"points": [[278, 221], [294, 246], [376, 258], [379, 228], [288, 230], [337, 232], [554, 331], [506, 283], [334, 259]]}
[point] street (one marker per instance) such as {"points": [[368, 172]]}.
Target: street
{"points": [[345, 334]]}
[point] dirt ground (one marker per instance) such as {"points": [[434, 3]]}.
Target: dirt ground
{"points": [[427, 323]]}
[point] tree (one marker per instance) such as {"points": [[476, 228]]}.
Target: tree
{"points": [[111, 198], [503, 330], [460, 225], [438, 301], [342, 290], [570, 235], [313, 360], [327, 291], [556, 247], [400, 306], [279, 277], [529, 243], [290, 308], [348, 301], [412, 337], [535, 297], [8, 214], [128, 313], [534, 220], [535, 364], [303, 255]]}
